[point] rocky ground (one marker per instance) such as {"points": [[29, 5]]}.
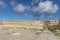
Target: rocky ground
{"points": [[26, 34]]}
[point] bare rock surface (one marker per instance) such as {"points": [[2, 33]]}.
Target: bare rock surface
{"points": [[21, 34]]}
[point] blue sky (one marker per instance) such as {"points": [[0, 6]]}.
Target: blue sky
{"points": [[29, 9]]}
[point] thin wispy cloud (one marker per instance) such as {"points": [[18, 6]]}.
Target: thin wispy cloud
{"points": [[3, 4], [12, 3], [34, 2], [27, 15]]}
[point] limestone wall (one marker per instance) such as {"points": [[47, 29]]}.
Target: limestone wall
{"points": [[54, 22], [29, 24], [26, 24]]}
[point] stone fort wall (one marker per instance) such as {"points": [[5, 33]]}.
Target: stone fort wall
{"points": [[29, 24]]}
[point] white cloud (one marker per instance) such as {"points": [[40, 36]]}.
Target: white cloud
{"points": [[55, 8], [46, 6], [2, 4], [20, 8]]}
